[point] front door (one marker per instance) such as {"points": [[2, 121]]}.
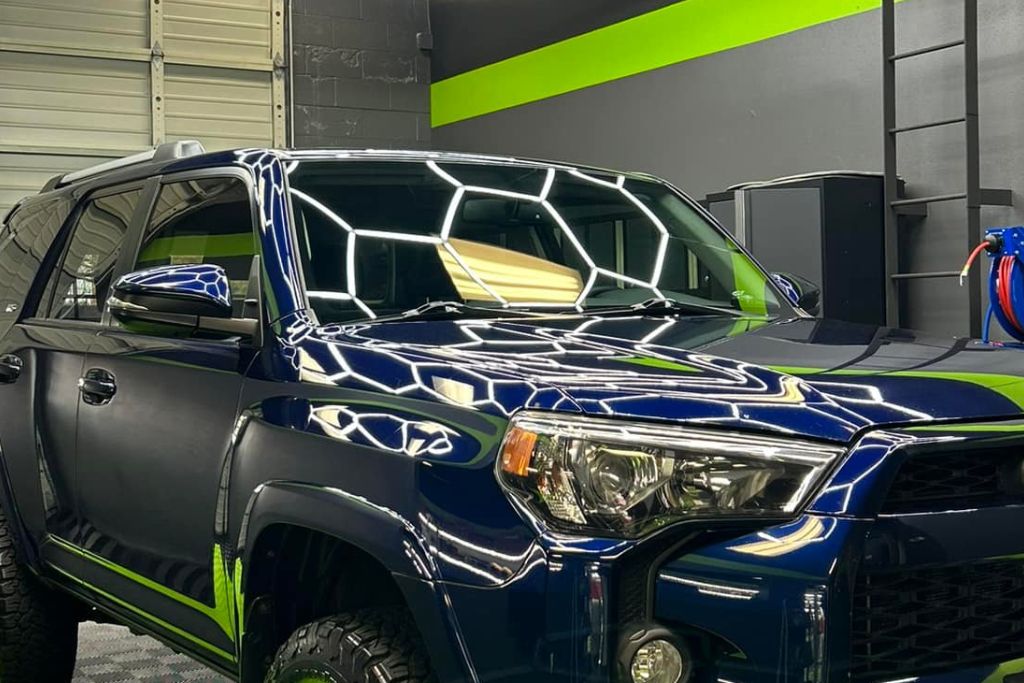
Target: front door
{"points": [[54, 287], [155, 424]]}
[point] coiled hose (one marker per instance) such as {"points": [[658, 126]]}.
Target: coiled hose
{"points": [[1005, 288]]}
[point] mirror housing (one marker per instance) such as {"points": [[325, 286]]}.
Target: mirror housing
{"points": [[179, 299], [800, 291]]}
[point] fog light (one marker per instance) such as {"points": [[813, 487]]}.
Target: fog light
{"points": [[659, 661]]}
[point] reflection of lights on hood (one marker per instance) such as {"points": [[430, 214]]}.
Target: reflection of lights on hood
{"points": [[717, 590], [812, 530], [384, 430], [454, 390], [310, 370]]}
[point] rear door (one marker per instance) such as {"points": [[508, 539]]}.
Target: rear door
{"points": [[151, 453], [50, 313]]}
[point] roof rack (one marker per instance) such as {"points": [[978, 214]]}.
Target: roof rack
{"points": [[168, 151]]}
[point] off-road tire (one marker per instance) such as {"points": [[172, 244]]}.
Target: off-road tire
{"points": [[366, 646], [38, 628]]}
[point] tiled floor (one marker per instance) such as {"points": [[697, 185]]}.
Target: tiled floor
{"points": [[111, 654]]}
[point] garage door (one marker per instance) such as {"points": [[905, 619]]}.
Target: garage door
{"points": [[82, 82]]}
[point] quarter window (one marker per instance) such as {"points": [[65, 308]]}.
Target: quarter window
{"points": [[80, 286], [206, 220]]}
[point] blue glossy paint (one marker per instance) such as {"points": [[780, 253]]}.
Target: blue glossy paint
{"points": [[206, 281], [385, 434]]}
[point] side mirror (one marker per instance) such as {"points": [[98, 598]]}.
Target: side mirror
{"points": [[179, 298], [800, 291]]}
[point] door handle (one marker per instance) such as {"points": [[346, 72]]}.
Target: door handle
{"points": [[97, 387], [10, 368]]}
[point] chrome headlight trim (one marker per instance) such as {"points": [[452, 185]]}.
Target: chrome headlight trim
{"points": [[556, 486]]}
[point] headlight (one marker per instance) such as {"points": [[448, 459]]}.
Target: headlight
{"points": [[620, 478]]}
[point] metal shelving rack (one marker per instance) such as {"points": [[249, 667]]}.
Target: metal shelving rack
{"points": [[975, 196]]}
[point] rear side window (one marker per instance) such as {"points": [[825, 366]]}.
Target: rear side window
{"points": [[206, 220], [24, 243], [79, 287]]}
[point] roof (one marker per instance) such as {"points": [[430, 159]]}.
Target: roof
{"points": [[190, 155]]}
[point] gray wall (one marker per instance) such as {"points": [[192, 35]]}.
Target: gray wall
{"points": [[472, 33], [803, 102], [359, 79]]}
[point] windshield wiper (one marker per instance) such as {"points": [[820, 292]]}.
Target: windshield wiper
{"points": [[664, 305], [452, 310]]}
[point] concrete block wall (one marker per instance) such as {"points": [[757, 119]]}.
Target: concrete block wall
{"points": [[359, 79]]}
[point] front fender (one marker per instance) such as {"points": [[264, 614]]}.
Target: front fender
{"points": [[382, 533]]}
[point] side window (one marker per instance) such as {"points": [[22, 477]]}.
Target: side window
{"points": [[24, 243], [79, 287], [206, 220]]}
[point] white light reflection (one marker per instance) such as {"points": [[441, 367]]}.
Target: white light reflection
{"points": [[717, 590]]}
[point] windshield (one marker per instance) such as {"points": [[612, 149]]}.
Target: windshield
{"points": [[379, 238]]}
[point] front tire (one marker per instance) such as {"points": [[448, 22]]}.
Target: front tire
{"points": [[366, 646], [38, 629]]}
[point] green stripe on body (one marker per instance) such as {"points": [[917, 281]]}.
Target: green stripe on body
{"points": [[167, 626], [1008, 386], [224, 613], [1005, 669], [670, 35]]}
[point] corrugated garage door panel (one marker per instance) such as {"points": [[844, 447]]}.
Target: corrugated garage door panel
{"points": [[83, 80], [219, 31], [24, 174], [51, 102], [222, 107], [102, 26]]}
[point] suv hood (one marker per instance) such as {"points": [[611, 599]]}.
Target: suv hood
{"points": [[805, 377]]}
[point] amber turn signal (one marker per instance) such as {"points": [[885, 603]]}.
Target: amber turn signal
{"points": [[517, 451]]}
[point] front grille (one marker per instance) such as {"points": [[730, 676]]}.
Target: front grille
{"points": [[957, 479], [909, 623]]}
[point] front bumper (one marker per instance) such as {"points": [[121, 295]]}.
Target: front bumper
{"points": [[782, 604], [784, 601]]}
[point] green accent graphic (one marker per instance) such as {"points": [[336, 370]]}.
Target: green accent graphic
{"points": [[225, 612], [670, 35], [239, 594], [1008, 386], [1014, 666], [991, 427], [659, 363], [170, 628]]}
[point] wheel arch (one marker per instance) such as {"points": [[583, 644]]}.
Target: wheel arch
{"points": [[282, 515]]}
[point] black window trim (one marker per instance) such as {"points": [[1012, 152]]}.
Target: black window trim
{"points": [[133, 243]]}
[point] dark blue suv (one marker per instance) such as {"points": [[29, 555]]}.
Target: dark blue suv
{"points": [[398, 417]]}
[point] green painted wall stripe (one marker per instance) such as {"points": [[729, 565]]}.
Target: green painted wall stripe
{"points": [[208, 246], [676, 33]]}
